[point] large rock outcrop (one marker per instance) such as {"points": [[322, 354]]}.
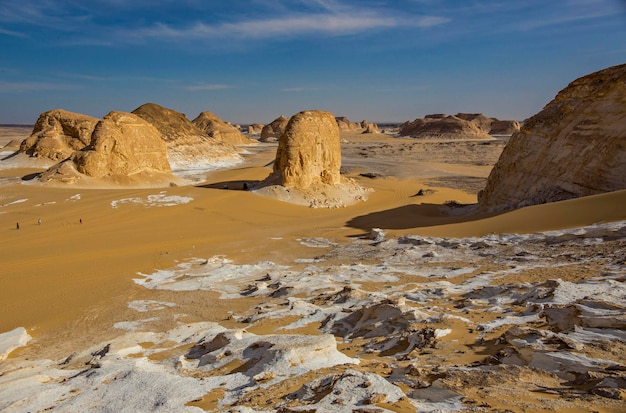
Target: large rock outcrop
{"points": [[576, 146], [188, 146], [459, 126], [308, 162], [441, 126], [272, 131], [309, 151], [219, 130], [58, 133], [124, 149]]}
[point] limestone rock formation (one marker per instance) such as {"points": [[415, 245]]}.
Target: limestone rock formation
{"points": [[369, 127], [345, 125], [188, 146], [309, 151], [440, 126], [124, 149], [219, 130], [576, 146], [308, 162], [255, 129], [459, 126], [504, 127], [58, 133], [272, 131], [478, 119]]}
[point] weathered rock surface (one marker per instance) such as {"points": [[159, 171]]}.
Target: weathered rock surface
{"points": [[504, 127], [307, 167], [272, 131], [124, 149], [255, 128], [58, 133], [219, 130], [188, 146], [309, 151], [478, 119], [459, 126], [345, 125], [576, 146], [369, 127], [443, 127]]}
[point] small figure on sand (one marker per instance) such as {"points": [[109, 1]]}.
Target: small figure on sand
{"points": [[39, 221], [17, 225], [80, 220]]}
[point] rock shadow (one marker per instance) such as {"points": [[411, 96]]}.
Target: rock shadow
{"points": [[416, 216], [243, 185]]}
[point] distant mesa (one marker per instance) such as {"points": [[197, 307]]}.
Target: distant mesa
{"points": [[188, 146], [57, 134], [272, 131], [255, 128], [308, 163], [221, 131], [576, 146], [440, 126], [124, 149], [459, 126]]}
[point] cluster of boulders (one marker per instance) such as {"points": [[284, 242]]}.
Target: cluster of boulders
{"points": [[459, 126]]}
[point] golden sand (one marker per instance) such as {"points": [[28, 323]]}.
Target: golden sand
{"points": [[69, 278]]}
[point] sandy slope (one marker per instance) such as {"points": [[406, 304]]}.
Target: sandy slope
{"points": [[68, 280]]}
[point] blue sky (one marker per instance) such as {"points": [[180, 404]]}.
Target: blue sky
{"points": [[253, 60]]}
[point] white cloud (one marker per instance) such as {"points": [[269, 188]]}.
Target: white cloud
{"points": [[288, 26], [196, 88]]}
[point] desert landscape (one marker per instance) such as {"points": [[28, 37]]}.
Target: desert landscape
{"points": [[314, 264]]}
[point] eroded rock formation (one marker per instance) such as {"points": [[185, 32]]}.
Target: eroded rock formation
{"points": [[255, 129], [124, 149], [504, 127], [459, 126], [188, 146], [219, 130], [307, 167], [576, 146], [345, 125], [58, 133], [272, 131], [440, 126], [309, 151]]}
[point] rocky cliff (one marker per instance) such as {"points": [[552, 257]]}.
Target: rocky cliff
{"points": [[576, 146], [58, 133]]}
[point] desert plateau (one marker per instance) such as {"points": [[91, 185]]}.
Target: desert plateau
{"points": [[453, 263]]}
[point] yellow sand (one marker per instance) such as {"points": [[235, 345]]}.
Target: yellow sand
{"points": [[64, 277]]}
